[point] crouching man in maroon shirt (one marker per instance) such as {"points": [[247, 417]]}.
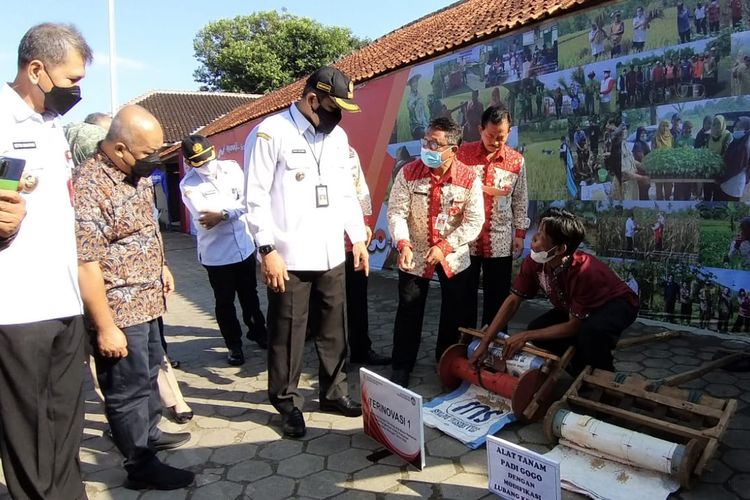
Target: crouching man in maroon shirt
{"points": [[591, 304]]}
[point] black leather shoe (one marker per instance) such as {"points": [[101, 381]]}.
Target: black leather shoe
{"points": [[259, 338], [236, 357], [371, 358], [344, 405], [294, 424], [400, 377], [170, 440], [159, 476], [181, 417]]}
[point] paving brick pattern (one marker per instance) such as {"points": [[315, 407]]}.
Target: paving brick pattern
{"points": [[238, 452]]}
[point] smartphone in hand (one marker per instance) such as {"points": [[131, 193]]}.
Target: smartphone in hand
{"points": [[11, 170]]}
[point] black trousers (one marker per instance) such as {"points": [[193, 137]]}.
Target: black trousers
{"points": [[741, 322], [595, 340], [356, 310], [237, 279], [131, 394], [41, 408], [495, 273], [287, 324], [412, 297]]}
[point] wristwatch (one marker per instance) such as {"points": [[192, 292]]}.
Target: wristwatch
{"points": [[224, 215], [266, 249]]}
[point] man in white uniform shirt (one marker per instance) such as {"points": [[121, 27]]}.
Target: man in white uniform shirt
{"points": [[214, 192], [41, 327], [300, 199]]}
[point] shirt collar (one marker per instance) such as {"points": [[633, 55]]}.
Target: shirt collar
{"points": [[20, 109], [110, 169], [300, 121]]}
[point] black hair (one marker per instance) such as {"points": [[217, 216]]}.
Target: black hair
{"points": [[563, 227], [452, 129], [51, 43], [496, 115]]}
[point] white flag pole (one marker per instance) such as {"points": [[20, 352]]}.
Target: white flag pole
{"points": [[112, 58]]}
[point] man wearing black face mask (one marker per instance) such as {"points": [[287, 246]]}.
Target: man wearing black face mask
{"points": [[41, 327], [124, 284], [300, 199]]}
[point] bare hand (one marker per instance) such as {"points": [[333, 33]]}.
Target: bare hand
{"points": [[273, 269], [493, 191], [478, 355], [12, 212], [513, 345], [517, 247], [112, 342], [168, 281], [406, 259], [210, 219], [361, 257], [434, 256], [369, 236]]}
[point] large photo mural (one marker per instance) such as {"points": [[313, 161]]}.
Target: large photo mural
{"points": [[636, 116]]}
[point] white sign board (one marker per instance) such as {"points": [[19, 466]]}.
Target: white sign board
{"points": [[520, 474], [392, 416]]}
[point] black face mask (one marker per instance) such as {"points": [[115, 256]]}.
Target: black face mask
{"points": [[147, 166], [60, 100], [327, 120]]}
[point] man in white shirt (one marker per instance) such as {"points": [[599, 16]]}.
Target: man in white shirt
{"points": [[605, 93], [640, 29], [300, 199], [41, 327], [214, 193], [630, 228]]}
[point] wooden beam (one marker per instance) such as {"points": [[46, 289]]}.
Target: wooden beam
{"points": [[701, 370], [665, 401], [646, 339], [526, 348]]}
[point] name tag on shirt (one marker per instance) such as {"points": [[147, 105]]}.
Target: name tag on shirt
{"points": [[24, 145], [441, 221], [321, 196]]}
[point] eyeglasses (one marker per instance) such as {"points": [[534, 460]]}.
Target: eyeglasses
{"points": [[433, 145]]}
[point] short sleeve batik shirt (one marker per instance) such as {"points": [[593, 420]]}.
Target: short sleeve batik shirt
{"points": [[115, 226]]}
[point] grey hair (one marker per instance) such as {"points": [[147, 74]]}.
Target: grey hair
{"points": [[97, 118], [51, 43]]}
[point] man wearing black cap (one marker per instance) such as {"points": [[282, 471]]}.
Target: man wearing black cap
{"points": [[214, 192], [300, 199]]}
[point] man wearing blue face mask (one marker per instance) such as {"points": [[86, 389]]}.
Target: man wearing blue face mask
{"points": [[592, 306], [435, 209]]}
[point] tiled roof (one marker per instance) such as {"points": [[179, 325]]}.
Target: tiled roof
{"points": [[448, 29], [182, 113]]}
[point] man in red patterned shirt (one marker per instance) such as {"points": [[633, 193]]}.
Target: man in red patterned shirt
{"points": [[435, 210], [591, 304], [503, 175]]}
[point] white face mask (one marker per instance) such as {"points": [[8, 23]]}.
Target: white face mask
{"points": [[207, 169], [542, 257]]}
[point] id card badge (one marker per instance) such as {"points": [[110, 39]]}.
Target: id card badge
{"points": [[441, 221], [321, 196]]}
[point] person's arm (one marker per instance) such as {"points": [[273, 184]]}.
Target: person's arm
{"points": [[111, 341], [507, 311], [559, 331], [519, 206], [261, 156], [399, 206], [12, 213]]}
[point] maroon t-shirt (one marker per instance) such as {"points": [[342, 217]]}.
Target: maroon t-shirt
{"points": [[581, 285]]}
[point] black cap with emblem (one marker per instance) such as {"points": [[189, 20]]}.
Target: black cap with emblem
{"points": [[197, 150], [336, 84]]}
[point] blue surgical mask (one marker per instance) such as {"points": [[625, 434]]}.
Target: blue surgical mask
{"points": [[433, 159], [738, 134]]}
